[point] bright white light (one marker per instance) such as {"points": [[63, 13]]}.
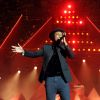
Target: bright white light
{"points": [[19, 72], [35, 67], [99, 70], [83, 60], [0, 78], [69, 6]]}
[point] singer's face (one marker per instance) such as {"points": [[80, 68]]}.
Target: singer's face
{"points": [[57, 35]]}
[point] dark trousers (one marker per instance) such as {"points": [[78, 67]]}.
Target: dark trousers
{"points": [[55, 85]]}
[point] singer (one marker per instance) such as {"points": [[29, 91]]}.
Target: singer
{"points": [[55, 73]]}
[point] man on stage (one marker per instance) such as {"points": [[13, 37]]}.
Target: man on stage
{"points": [[55, 71]]}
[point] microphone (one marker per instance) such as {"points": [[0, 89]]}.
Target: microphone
{"points": [[59, 40]]}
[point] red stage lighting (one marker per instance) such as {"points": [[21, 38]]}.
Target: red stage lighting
{"points": [[83, 60], [73, 41], [73, 17], [69, 6], [69, 17], [65, 11], [73, 11], [69, 12], [61, 17], [77, 17], [57, 21], [69, 22], [81, 22], [73, 49]]}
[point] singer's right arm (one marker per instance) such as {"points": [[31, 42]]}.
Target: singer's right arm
{"points": [[33, 53], [19, 49]]}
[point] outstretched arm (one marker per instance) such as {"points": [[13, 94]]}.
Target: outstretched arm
{"points": [[19, 49]]}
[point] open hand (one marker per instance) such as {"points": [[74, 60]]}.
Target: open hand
{"points": [[17, 49]]}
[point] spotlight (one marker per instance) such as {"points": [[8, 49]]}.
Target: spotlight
{"points": [[83, 60], [78, 33], [73, 49], [61, 21], [73, 33], [77, 17], [38, 48], [19, 72], [0, 78], [69, 12], [69, 17], [99, 50], [83, 49], [35, 67], [91, 42], [69, 22], [79, 50], [89, 49], [87, 33], [73, 42], [99, 70], [82, 33], [94, 49], [61, 17], [82, 41], [69, 33], [46, 41], [81, 22], [73, 17], [65, 11], [68, 41], [69, 6], [57, 21]]}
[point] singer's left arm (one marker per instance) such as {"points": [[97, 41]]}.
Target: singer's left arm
{"points": [[68, 50]]}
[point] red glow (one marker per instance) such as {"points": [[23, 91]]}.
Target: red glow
{"points": [[69, 22], [12, 30], [77, 17], [69, 12], [81, 22], [61, 17], [73, 17], [73, 11], [57, 21], [69, 6], [68, 16], [65, 11], [73, 49], [93, 24], [37, 31], [83, 60], [73, 41]]}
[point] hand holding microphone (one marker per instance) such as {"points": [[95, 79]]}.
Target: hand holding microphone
{"points": [[63, 39]]}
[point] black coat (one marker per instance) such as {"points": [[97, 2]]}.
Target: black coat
{"points": [[47, 52]]}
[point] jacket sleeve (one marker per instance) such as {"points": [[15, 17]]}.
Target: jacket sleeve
{"points": [[69, 52], [33, 54]]}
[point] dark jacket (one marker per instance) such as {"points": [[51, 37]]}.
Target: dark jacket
{"points": [[47, 52]]}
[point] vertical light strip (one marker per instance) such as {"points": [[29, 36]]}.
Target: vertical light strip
{"points": [[7, 37], [37, 32]]}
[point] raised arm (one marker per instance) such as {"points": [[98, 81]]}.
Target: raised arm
{"points": [[19, 49], [68, 50]]}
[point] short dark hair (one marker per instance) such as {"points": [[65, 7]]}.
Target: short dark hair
{"points": [[51, 35]]}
